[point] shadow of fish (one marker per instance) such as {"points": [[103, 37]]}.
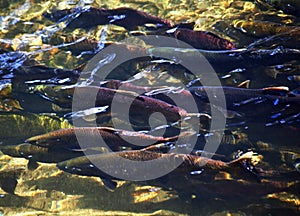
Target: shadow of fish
{"points": [[8, 179]]}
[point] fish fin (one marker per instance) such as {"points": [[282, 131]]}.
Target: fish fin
{"points": [[109, 184], [245, 157], [244, 84], [32, 165], [276, 90], [9, 184], [188, 25]]}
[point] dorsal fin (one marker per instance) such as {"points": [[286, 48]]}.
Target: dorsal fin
{"points": [[244, 84], [109, 184], [32, 165]]}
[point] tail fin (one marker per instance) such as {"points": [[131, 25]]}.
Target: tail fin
{"points": [[247, 157]]}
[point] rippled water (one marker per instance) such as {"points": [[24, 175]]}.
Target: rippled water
{"points": [[33, 102]]}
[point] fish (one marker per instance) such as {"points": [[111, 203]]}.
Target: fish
{"points": [[87, 18], [197, 177], [202, 39], [287, 6], [115, 139], [141, 105], [11, 61], [41, 74], [265, 28], [188, 164], [251, 102], [236, 58], [36, 154], [164, 93]]}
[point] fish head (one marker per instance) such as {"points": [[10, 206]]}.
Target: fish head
{"points": [[79, 166]]}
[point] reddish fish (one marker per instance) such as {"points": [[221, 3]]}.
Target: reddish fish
{"points": [[100, 96], [67, 138], [189, 163], [203, 40]]}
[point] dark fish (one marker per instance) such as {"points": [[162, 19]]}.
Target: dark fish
{"points": [[35, 153], [126, 17], [230, 58], [265, 28], [189, 164], [75, 44], [163, 93], [251, 102], [41, 74], [68, 138], [287, 6], [141, 105], [11, 61], [202, 39]]}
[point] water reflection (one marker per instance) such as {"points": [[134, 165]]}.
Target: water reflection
{"points": [[41, 59]]}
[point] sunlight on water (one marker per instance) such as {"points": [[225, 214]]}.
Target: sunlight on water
{"points": [[254, 48]]}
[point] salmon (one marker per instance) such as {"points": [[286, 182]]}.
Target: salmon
{"points": [[187, 164], [115, 139]]}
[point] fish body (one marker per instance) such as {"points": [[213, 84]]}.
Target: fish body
{"points": [[230, 58], [68, 138], [264, 28], [187, 164], [162, 93], [42, 74], [198, 176], [287, 6], [128, 18], [141, 105], [202, 40], [250, 102]]}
